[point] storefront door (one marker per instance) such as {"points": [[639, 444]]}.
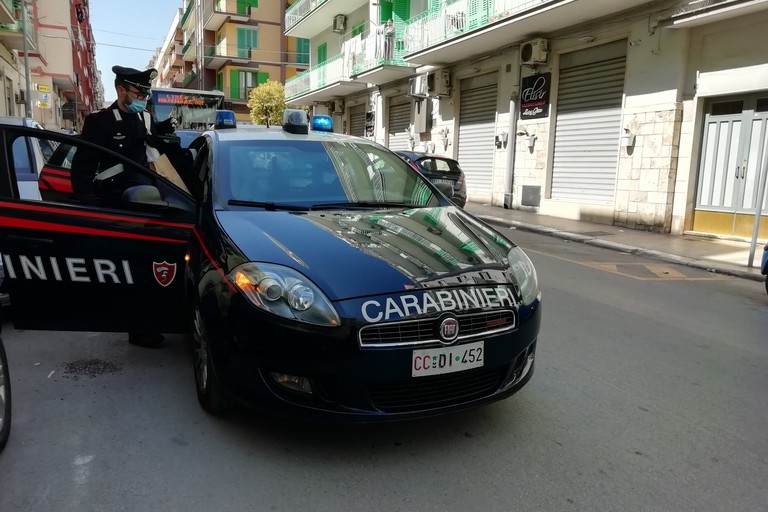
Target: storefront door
{"points": [[732, 168]]}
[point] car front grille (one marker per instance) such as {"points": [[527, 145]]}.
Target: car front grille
{"points": [[439, 391], [424, 331]]}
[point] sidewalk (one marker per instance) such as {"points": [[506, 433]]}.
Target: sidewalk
{"points": [[709, 253]]}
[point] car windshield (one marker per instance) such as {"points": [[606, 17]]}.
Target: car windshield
{"points": [[317, 174]]}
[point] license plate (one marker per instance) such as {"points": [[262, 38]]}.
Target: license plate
{"points": [[441, 180], [436, 361]]}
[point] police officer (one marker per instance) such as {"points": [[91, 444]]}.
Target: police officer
{"points": [[124, 127]]}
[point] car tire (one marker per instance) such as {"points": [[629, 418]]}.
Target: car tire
{"points": [[210, 394], [5, 398]]}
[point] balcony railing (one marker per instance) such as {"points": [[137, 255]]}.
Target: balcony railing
{"points": [[318, 76], [187, 11], [188, 78], [373, 49], [299, 10], [459, 17]]}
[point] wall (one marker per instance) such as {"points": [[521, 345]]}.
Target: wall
{"points": [[724, 58]]}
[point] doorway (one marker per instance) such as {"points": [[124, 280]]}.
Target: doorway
{"points": [[732, 167]]}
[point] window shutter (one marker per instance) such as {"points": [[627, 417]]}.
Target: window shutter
{"points": [[234, 84]]}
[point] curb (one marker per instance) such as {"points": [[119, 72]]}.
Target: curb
{"points": [[708, 266]]}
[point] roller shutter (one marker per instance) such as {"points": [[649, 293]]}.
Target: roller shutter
{"points": [[399, 127], [477, 127], [588, 124], [357, 120]]}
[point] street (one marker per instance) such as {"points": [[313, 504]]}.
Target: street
{"points": [[649, 394]]}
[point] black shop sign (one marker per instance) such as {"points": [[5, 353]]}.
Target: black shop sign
{"points": [[534, 96]]}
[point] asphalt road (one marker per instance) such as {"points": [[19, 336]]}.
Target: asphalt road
{"points": [[650, 394]]}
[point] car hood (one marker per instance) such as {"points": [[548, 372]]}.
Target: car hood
{"points": [[362, 253]]}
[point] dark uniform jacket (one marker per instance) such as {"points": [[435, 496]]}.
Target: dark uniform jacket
{"points": [[122, 132]]}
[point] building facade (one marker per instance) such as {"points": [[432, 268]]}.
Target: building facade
{"points": [[648, 115], [229, 45]]}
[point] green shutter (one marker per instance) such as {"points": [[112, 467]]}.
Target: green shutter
{"points": [[234, 84], [261, 77], [322, 53], [302, 51], [402, 10], [357, 30], [385, 11], [220, 81]]}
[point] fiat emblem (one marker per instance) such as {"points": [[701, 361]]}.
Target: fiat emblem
{"points": [[448, 330]]}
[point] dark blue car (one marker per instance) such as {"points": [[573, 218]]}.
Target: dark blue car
{"points": [[319, 275]]}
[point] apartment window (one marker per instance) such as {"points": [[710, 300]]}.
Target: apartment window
{"points": [[322, 53], [242, 81], [246, 39], [302, 51]]}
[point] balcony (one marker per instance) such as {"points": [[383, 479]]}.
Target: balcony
{"points": [[376, 59], [224, 11], [188, 78], [189, 52], [187, 13], [308, 18], [11, 35], [692, 13], [218, 55], [464, 28], [322, 82], [7, 14]]}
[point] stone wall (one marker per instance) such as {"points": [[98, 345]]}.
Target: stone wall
{"points": [[646, 177]]}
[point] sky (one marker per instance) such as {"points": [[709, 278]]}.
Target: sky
{"points": [[130, 38]]}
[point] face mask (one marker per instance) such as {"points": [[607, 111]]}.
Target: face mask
{"points": [[137, 106]]}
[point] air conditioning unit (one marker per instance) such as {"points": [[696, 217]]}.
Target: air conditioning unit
{"points": [[439, 83], [533, 52], [339, 23], [337, 106], [417, 86]]}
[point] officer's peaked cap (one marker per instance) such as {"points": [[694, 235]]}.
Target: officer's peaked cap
{"points": [[140, 79]]}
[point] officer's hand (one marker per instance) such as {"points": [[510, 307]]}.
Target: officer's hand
{"points": [[163, 144], [167, 127]]}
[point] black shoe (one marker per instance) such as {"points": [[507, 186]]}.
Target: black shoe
{"points": [[146, 339]]}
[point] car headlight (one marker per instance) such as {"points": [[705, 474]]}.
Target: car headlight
{"points": [[525, 275], [284, 292]]}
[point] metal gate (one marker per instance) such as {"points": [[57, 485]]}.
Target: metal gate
{"points": [[357, 121], [588, 124], [477, 127], [399, 126], [733, 151]]}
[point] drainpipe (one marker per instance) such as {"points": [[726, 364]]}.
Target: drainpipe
{"points": [[509, 186]]}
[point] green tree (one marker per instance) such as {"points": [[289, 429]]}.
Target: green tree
{"points": [[267, 103]]}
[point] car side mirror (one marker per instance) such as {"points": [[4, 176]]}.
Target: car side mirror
{"points": [[445, 188]]}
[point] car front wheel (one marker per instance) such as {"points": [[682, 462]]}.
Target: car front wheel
{"points": [[5, 398], [209, 391]]}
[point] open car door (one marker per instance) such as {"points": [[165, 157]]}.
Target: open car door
{"points": [[112, 262]]}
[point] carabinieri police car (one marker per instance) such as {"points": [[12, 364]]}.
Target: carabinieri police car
{"points": [[318, 274]]}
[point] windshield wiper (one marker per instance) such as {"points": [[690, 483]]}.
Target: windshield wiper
{"points": [[363, 204], [268, 205]]}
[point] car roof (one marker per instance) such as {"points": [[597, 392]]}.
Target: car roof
{"points": [[277, 133], [18, 121], [417, 155]]}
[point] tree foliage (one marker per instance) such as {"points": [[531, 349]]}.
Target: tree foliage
{"points": [[267, 103]]}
